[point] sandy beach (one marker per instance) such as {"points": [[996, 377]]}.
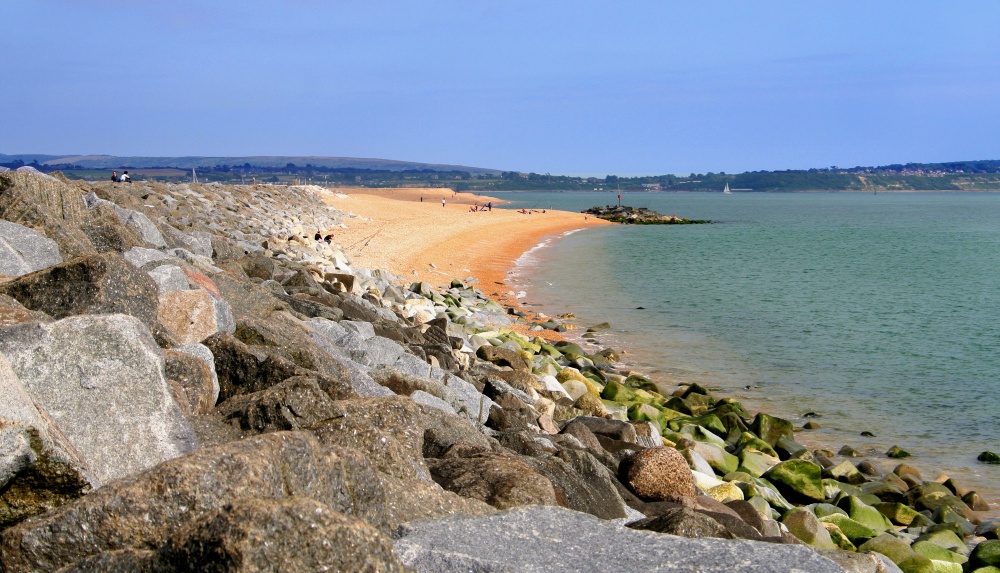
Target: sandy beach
{"points": [[424, 241]]}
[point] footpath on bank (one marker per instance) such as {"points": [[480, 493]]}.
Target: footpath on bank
{"points": [[192, 380]]}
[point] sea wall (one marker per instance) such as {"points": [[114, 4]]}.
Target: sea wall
{"points": [[191, 380]]}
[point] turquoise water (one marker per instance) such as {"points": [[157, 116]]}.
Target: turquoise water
{"points": [[877, 312]]}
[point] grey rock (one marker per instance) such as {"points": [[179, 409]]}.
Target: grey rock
{"points": [[361, 382], [540, 539], [412, 364], [39, 467], [446, 435], [421, 397], [379, 351], [163, 501], [190, 382], [102, 379], [300, 536], [93, 284], [364, 330], [294, 404], [870, 562], [684, 522], [141, 256], [24, 250], [461, 395], [499, 479], [224, 319], [202, 352], [169, 278], [140, 222], [199, 245], [583, 482], [388, 430]]}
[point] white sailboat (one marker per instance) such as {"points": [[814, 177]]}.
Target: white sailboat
{"points": [[726, 191]]}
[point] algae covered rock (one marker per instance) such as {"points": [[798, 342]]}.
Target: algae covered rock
{"points": [[803, 524], [798, 479], [989, 458], [986, 554], [770, 428]]}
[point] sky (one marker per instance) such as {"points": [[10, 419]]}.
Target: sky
{"points": [[563, 87]]}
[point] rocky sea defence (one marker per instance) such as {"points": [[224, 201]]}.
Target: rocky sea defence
{"points": [[191, 381], [639, 216]]}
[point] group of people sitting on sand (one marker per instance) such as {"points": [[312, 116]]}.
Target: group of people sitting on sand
{"points": [[125, 177], [319, 237], [487, 207]]}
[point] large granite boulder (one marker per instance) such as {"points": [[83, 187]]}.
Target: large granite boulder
{"points": [[244, 369], [24, 250], [135, 219], [189, 315], [191, 383], [501, 480], [389, 430], [39, 467], [13, 312], [294, 404], [292, 535], [47, 205], [683, 522], [459, 394], [144, 511], [582, 483], [93, 284], [282, 333], [539, 539], [102, 380]]}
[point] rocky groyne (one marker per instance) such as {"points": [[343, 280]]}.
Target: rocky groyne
{"points": [[191, 381], [639, 216]]}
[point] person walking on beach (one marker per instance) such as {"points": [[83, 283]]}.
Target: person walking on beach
{"points": [[442, 201]]}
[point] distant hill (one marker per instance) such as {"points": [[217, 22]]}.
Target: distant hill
{"points": [[259, 161]]}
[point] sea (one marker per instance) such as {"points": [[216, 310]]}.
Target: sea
{"points": [[863, 312]]}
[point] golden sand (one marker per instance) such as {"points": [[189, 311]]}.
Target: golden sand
{"points": [[424, 241]]}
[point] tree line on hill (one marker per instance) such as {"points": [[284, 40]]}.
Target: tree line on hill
{"points": [[950, 176]]}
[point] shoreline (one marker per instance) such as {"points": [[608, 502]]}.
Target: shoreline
{"points": [[760, 401], [457, 245], [391, 232]]}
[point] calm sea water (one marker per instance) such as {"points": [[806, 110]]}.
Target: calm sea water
{"points": [[877, 312]]}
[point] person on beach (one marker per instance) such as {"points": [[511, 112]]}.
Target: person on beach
{"points": [[489, 206], [114, 177], [442, 201], [318, 236], [328, 239], [126, 178]]}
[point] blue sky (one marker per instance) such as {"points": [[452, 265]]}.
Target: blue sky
{"points": [[568, 87]]}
